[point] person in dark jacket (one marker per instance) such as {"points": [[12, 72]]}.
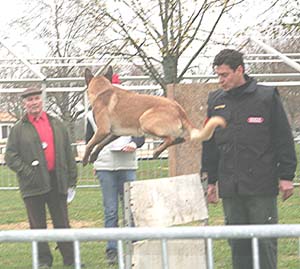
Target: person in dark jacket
{"points": [[39, 151], [252, 159]]}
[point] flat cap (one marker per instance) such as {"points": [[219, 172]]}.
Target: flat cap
{"points": [[31, 91]]}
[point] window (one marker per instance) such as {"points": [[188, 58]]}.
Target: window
{"points": [[5, 131]]}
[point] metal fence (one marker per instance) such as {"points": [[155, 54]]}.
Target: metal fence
{"points": [[209, 233], [148, 167]]}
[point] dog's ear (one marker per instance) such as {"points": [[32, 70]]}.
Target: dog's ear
{"points": [[88, 76], [109, 73]]}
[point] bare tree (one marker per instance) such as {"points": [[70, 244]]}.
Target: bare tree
{"points": [[282, 32], [166, 35], [280, 18], [289, 95], [69, 29]]}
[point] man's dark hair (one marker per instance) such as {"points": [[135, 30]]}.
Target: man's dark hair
{"points": [[230, 57]]}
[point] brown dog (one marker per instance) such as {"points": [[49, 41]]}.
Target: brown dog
{"points": [[119, 112]]}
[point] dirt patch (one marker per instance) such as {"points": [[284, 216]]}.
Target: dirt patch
{"points": [[25, 225], [14, 226]]}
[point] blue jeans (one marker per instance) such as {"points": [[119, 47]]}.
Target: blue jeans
{"points": [[112, 184]]}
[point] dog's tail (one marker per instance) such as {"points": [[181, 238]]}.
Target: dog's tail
{"points": [[207, 131], [201, 134]]}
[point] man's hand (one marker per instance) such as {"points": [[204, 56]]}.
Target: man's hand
{"points": [[212, 197], [286, 188]]}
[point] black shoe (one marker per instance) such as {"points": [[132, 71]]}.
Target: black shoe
{"points": [[112, 256]]}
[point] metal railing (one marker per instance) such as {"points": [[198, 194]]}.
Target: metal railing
{"points": [[148, 168], [209, 233]]}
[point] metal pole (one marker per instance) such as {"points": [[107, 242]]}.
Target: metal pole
{"points": [[86, 108], [210, 256], [35, 259], [127, 222], [164, 250], [255, 253], [269, 49], [299, 247], [121, 255], [77, 254], [25, 61]]}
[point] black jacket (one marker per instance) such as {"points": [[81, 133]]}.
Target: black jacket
{"points": [[256, 148]]}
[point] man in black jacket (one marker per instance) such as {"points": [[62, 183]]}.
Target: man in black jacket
{"points": [[250, 158]]}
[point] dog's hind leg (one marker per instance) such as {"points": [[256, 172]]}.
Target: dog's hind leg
{"points": [[99, 147], [168, 141]]}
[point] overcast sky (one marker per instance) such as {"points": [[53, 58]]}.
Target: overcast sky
{"points": [[10, 9], [251, 13], [247, 15]]}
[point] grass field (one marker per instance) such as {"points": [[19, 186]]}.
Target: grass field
{"points": [[86, 211]]}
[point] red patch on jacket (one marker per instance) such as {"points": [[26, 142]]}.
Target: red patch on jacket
{"points": [[255, 120], [205, 121]]}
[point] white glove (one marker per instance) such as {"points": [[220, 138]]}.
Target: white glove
{"points": [[71, 194]]}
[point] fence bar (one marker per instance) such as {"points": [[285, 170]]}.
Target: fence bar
{"points": [[164, 250], [253, 232], [93, 234], [77, 254], [128, 87], [255, 253], [35, 256], [32, 67], [121, 255], [139, 233], [210, 256], [292, 63]]}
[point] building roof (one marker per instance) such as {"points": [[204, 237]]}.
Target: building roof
{"points": [[6, 117]]}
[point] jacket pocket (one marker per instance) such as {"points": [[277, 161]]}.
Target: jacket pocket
{"points": [[31, 181]]}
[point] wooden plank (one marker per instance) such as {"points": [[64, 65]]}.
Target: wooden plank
{"points": [[181, 254], [168, 201]]}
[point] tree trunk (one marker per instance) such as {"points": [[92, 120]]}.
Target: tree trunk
{"points": [[170, 69]]}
